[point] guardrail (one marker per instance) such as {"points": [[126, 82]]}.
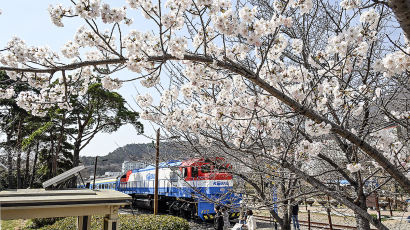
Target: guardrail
{"points": [[312, 224]]}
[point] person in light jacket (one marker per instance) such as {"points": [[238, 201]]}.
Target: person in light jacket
{"points": [[225, 214], [250, 220]]}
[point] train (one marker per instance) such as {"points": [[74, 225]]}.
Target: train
{"points": [[189, 188]]}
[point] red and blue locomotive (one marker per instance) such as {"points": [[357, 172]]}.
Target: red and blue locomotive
{"points": [[189, 188]]}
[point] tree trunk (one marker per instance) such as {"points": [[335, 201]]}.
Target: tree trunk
{"points": [[76, 154], [286, 224], [18, 176], [9, 161], [53, 170], [361, 222], [401, 9], [59, 144], [76, 162], [27, 169], [284, 208], [276, 217], [34, 165], [18, 149], [77, 143]]}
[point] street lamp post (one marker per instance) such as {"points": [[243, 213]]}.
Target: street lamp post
{"points": [[95, 169], [156, 175]]}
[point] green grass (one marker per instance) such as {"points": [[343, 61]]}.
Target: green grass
{"points": [[126, 222], [14, 224]]}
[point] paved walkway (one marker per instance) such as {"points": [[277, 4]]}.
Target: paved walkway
{"points": [[343, 216]]}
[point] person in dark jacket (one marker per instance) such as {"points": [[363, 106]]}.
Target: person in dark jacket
{"points": [[295, 212], [219, 219]]}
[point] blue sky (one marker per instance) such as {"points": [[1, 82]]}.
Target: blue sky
{"points": [[29, 20]]}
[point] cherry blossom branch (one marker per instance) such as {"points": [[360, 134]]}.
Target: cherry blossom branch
{"points": [[241, 70]]}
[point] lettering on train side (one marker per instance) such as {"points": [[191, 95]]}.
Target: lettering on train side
{"points": [[219, 183]]}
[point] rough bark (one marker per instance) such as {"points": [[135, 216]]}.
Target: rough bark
{"points": [[34, 165], [361, 223], [59, 144], [18, 149], [53, 169], [9, 163], [27, 168], [401, 9]]}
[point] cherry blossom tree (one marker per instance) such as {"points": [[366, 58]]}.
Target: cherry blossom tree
{"points": [[327, 76]]}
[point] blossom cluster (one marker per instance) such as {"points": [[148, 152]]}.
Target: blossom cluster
{"points": [[396, 63], [177, 47], [109, 15], [392, 148], [144, 100], [57, 12], [7, 93], [353, 168], [370, 17], [350, 4], [304, 5], [88, 9], [111, 84], [310, 148], [70, 50], [314, 129], [19, 52]]}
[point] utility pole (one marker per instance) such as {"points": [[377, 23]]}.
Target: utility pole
{"points": [[156, 175], [95, 170]]}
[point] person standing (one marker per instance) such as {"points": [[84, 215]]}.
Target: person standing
{"points": [[295, 212], [218, 221], [250, 220], [225, 214], [242, 219]]}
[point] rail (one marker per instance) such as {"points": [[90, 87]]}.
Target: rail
{"points": [[312, 224]]}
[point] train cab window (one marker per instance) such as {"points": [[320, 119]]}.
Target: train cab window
{"points": [[185, 172], [194, 171], [206, 168]]}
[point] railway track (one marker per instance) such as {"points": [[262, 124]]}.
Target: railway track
{"points": [[312, 224]]}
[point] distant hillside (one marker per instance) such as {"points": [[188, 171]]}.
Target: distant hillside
{"points": [[132, 152]]}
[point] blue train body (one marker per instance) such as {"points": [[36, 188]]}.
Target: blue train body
{"points": [[189, 188]]}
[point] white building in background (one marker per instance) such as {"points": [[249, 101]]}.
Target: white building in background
{"points": [[130, 165], [112, 174]]}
